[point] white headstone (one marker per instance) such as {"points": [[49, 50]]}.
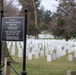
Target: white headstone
{"points": [[29, 56], [9, 45], [42, 53], [53, 56], [21, 44], [18, 45], [20, 52], [36, 55], [13, 50], [46, 52], [70, 57], [48, 58], [58, 54], [13, 43], [61, 53]]}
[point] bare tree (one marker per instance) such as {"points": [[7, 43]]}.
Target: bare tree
{"points": [[10, 9], [1, 4], [5, 52]]}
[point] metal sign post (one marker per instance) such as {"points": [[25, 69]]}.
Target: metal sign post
{"points": [[1, 15], [13, 30], [24, 53]]}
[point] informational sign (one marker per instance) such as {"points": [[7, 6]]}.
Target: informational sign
{"points": [[12, 28]]}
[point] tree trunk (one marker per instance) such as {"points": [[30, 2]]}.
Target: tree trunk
{"points": [[5, 52], [67, 38], [1, 4], [35, 14]]}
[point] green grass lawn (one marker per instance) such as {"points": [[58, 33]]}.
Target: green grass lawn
{"points": [[42, 67]]}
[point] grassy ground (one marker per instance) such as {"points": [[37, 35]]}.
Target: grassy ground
{"points": [[42, 67]]}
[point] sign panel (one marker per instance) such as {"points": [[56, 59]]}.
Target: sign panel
{"points": [[12, 28]]}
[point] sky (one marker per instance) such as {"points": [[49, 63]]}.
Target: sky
{"points": [[50, 4]]}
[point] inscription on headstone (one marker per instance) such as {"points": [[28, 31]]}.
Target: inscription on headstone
{"points": [[12, 28]]}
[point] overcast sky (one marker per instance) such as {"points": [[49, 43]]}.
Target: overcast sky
{"points": [[50, 4]]}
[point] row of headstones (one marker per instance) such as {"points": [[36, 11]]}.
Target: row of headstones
{"points": [[35, 50], [50, 57], [15, 47], [60, 52]]}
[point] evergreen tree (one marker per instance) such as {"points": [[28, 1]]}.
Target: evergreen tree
{"points": [[41, 13], [65, 19], [45, 19]]}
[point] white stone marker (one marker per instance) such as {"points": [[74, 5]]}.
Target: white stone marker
{"points": [[53, 56], [21, 44], [29, 56], [42, 53], [9, 45], [13, 43], [18, 45], [46, 52], [36, 55], [48, 58], [58, 54], [20, 52], [70, 57], [13, 50]]}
